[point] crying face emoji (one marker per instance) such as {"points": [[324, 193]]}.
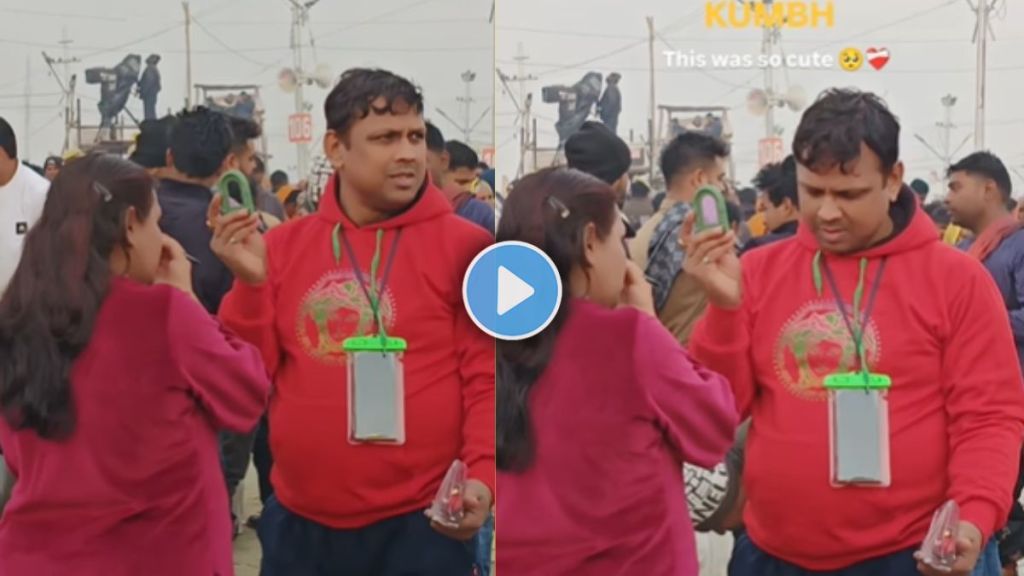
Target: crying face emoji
{"points": [[851, 59]]}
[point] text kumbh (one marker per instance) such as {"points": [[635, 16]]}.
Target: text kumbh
{"points": [[771, 15]]}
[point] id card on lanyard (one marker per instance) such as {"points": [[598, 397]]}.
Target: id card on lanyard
{"points": [[858, 405], [375, 373]]}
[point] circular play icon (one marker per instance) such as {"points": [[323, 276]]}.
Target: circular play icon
{"points": [[512, 290]]}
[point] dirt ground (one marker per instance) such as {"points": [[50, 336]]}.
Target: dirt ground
{"points": [[247, 546]]}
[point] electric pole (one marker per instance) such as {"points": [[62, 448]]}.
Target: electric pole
{"points": [[67, 86], [466, 127], [28, 109], [946, 127], [948, 101], [982, 30], [300, 17], [188, 55], [523, 106], [467, 102], [654, 105], [767, 49]]}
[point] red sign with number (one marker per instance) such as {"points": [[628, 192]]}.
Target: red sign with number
{"points": [[300, 128]]}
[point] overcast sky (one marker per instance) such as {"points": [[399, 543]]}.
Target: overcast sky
{"points": [[244, 42], [929, 43]]}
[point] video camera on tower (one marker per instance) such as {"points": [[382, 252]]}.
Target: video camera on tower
{"points": [[575, 103], [115, 86]]}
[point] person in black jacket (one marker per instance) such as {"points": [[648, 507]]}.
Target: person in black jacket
{"points": [[610, 105], [149, 87], [200, 152], [777, 183]]}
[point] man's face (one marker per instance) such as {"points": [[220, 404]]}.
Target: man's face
{"points": [[714, 175], [463, 177], [849, 212], [437, 165], [245, 160], [775, 216], [710, 174], [383, 158], [968, 197]]}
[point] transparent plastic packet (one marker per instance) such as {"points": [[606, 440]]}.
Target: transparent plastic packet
{"points": [[447, 508], [939, 547]]}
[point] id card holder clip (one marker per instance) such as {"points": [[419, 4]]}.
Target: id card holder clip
{"points": [[858, 427], [376, 390], [235, 193], [709, 204]]}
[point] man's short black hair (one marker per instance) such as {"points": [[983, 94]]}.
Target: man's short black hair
{"points": [[778, 182], [689, 151], [986, 165], [435, 139], [832, 129], [748, 196], [277, 179], [462, 156], [244, 130], [8, 142], [200, 141], [354, 96]]}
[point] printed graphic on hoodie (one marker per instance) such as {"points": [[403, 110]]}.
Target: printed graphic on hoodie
{"points": [[334, 309], [814, 343]]}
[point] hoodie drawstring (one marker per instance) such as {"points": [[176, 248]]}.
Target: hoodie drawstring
{"points": [[374, 291]]}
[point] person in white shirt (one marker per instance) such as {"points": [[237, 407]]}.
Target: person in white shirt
{"points": [[22, 195]]}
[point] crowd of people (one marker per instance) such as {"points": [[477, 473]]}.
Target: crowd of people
{"points": [[817, 378], [154, 338]]}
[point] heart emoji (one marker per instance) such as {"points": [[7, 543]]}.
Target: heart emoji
{"points": [[877, 57]]}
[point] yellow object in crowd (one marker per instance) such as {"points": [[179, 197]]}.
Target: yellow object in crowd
{"points": [[757, 225], [953, 235], [284, 192]]}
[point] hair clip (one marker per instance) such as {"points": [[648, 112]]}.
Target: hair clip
{"points": [[103, 191], [559, 206]]}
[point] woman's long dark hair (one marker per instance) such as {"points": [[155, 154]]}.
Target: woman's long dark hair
{"points": [[50, 306], [551, 210]]}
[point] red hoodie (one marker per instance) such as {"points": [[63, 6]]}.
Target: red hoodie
{"points": [[939, 329], [300, 317]]}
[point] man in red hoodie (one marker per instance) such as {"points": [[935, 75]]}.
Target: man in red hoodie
{"points": [[865, 285], [385, 255]]}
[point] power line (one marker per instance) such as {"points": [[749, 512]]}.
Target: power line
{"points": [[222, 44], [32, 94], [846, 40], [378, 17], [78, 16], [603, 56], [241, 23], [685, 18], [145, 38], [564, 33]]}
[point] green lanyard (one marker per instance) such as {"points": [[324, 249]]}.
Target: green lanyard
{"points": [[857, 322], [372, 290]]}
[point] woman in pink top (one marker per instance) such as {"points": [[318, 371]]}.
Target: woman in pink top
{"points": [[597, 414], [113, 383]]}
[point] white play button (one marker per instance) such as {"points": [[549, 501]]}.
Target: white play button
{"points": [[512, 290]]}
